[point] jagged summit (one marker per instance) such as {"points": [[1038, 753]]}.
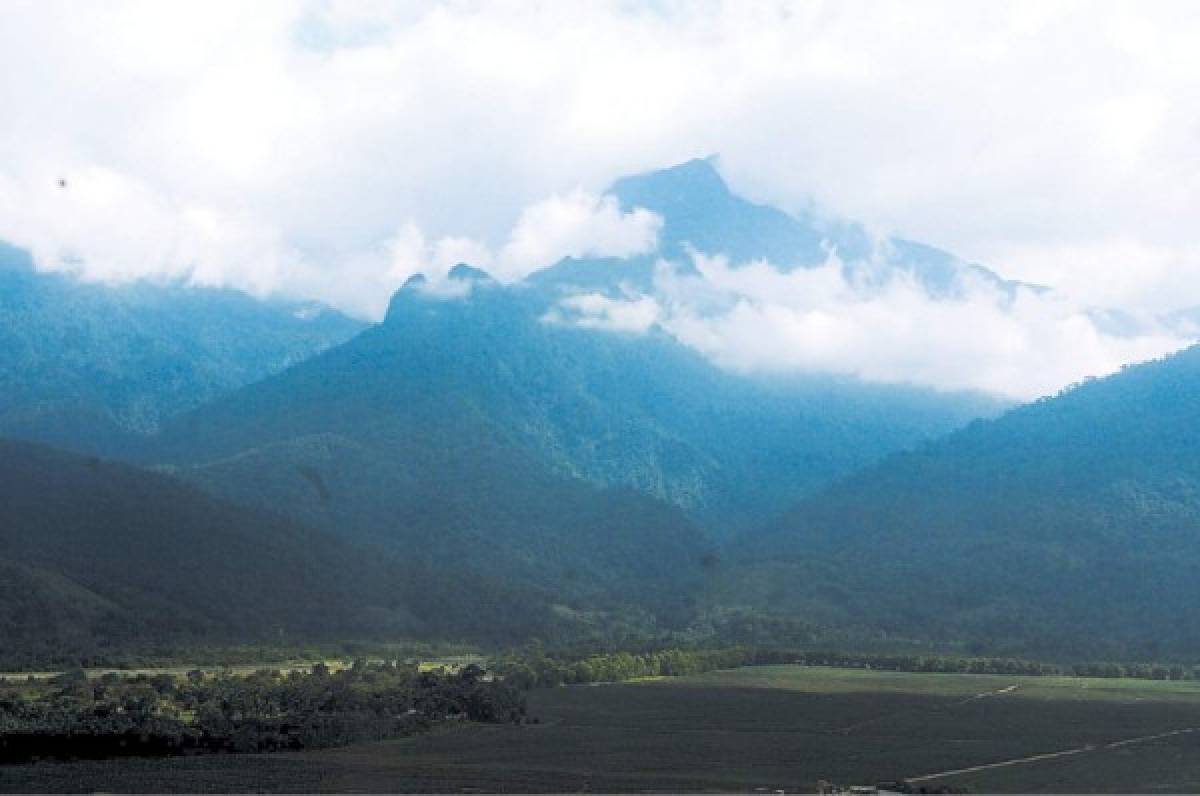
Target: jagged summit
{"points": [[461, 281], [469, 273]]}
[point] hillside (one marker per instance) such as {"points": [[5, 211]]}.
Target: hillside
{"points": [[100, 556], [92, 366], [1072, 524], [408, 439], [471, 434]]}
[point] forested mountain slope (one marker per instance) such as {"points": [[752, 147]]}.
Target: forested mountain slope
{"points": [[99, 556], [414, 435], [614, 410], [1070, 524], [90, 366]]}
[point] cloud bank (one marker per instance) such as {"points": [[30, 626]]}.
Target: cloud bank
{"points": [[1022, 344]]}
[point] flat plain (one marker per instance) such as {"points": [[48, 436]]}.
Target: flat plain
{"points": [[771, 727]]}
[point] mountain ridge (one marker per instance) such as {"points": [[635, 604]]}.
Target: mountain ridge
{"points": [[95, 367], [1077, 513]]}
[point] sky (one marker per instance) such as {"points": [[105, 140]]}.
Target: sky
{"points": [[330, 149]]}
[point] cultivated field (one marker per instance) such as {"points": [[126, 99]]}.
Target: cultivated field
{"points": [[779, 727]]}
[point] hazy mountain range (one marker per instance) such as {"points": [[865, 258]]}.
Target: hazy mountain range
{"points": [[491, 459]]}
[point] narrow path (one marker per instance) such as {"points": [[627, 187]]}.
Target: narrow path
{"points": [[1051, 755], [986, 694], [999, 692]]}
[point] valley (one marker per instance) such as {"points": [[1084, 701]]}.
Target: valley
{"points": [[473, 396]]}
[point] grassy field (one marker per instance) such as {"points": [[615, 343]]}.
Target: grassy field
{"points": [[781, 727]]}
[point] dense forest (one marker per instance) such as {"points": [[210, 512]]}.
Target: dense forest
{"points": [[101, 559], [1068, 526], [93, 367], [75, 717], [539, 668]]}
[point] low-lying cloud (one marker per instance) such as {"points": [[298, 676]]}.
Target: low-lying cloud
{"points": [[1021, 342], [578, 224], [634, 314]]}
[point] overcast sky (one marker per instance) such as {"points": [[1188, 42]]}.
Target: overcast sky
{"points": [[329, 149]]}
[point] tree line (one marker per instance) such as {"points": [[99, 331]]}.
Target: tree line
{"points": [[540, 669], [74, 717]]}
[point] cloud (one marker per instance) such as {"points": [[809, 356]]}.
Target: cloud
{"points": [[105, 225], [754, 318], [1014, 131], [578, 224], [635, 315]]}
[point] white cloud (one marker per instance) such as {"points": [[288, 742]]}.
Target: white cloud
{"points": [[409, 253], [105, 225], [754, 318], [596, 311], [578, 224]]}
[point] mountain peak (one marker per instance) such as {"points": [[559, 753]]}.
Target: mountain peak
{"points": [[700, 212], [696, 177], [466, 273]]}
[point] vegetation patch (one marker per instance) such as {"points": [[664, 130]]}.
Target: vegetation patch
{"points": [[160, 715]]}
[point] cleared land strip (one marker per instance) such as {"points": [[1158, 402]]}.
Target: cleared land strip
{"points": [[1051, 755], [876, 720]]}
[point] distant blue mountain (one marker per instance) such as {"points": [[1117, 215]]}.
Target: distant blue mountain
{"points": [[87, 365], [701, 214], [699, 210]]}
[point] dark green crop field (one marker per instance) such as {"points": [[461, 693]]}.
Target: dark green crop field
{"points": [[779, 727]]}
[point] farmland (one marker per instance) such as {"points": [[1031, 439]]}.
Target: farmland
{"points": [[774, 727]]}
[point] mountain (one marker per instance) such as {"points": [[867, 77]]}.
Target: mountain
{"points": [[412, 435], [701, 214], [443, 381], [478, 432], [92, 366], [101, 557], [700, 211], [765, 439], [98, 553], [478, 435], [1070, 525]]}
